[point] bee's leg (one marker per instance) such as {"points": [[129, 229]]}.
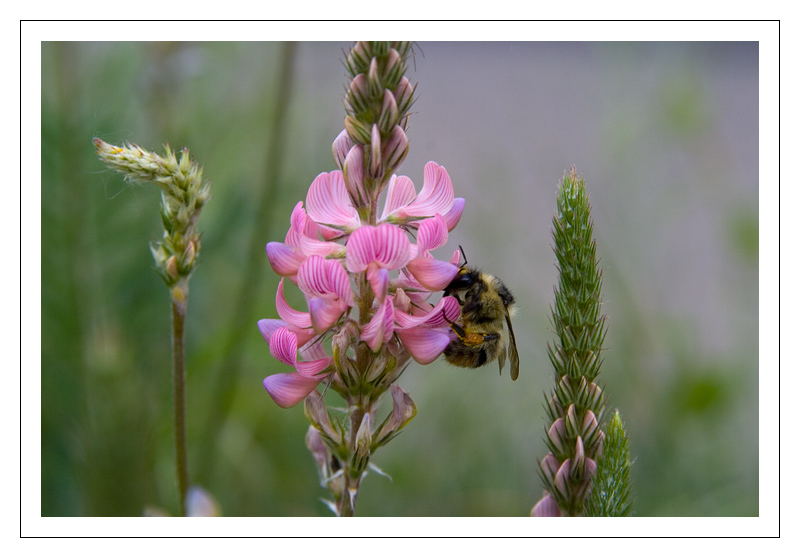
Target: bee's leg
{"points": [[457, 329]]}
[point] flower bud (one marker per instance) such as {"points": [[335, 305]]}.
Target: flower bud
{"points": [[171, 267], [359, 57], [404, 95], [550, 466], [546, 507], [572, 421], [375, 152], [317, 415], [353, 170], [589, 426], [562, 481], [395, 150], [374, 85], [341, 147], [319, 451], [403, 411], [394, 70], [356, 97], [389, 114], [578, 461], [363, 443], [358, 131], [556, 436]]}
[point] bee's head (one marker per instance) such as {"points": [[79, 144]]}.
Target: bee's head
{"points": [[464, 279]]}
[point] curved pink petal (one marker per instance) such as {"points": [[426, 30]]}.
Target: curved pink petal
{"points": [[314, 368], [452, 217], [378, 278], [354, 175], [328, 202], [431, 273], [289, 389], [283, 346], [436, 195], [320, 277], [399, 193], [385, 244], [297, 224], [456, 259], [284, 259], [425, 345], [440, 316], [432, 234], [268, 326], [324, 312], [288, 314], [380, 328]]}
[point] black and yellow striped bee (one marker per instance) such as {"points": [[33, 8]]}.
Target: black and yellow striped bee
{"points": [[486, 305]]}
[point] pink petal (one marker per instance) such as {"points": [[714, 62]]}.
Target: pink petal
{"points": [[268, 327], [284, 259], [380, 328], [289, 389], [328, 202], [378, 278], [324, 312], [431, 273], [456, 259], [313, 368], [546, 507], [399, 193], [288, 314], [452, 217], [432, 234], [354, 174], [283, 346], [298, 225], [436, 195], [393, 249], [446, 309], [425, 345], [385, 244]]}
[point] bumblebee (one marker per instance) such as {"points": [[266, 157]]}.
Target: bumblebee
{"points": [[481, 337]]}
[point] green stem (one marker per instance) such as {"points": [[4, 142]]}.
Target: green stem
{"points": [[179, 390]]}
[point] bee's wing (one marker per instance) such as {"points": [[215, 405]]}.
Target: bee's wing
{"points": [[513, 355]]}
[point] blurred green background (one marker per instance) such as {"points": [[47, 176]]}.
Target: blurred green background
{"points": [[666, 137]]}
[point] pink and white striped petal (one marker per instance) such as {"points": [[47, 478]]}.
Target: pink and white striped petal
{"points": [[452, 217], [381, 327], [424, 344], [288, 314], [283, 346], [446, 309], [431, 273], [385, 244], [399, 194], [378, 278], [436, 195], [314, 368], [432, 234], [328, 202], [289, 389], [284, 259], [320, 277], [268, 326], [324, 312]]}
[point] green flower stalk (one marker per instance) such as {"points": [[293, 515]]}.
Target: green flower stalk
{"points": [[577, 404], [183, 195], [612, 486]]}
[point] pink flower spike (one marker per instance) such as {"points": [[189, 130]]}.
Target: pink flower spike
{"points": [[284, 259], [432, 274], [288, 314], [283, 346], [424, 344], [380, 328], [289, 389], [328, 202]]}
